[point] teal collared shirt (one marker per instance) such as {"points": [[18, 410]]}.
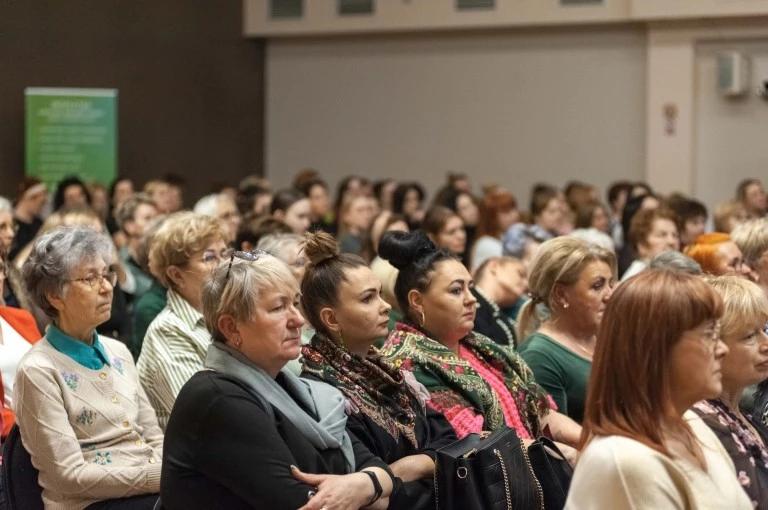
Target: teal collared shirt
{"points": [[90, 356]]}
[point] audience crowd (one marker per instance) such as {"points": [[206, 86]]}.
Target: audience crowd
{"points": [[296, 349]]}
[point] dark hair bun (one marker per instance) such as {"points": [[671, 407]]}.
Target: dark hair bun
{"points": [[402, 249], [320, 246]]}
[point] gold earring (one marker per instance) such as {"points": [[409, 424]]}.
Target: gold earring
{"points": [[341, 338], [423, 319]]}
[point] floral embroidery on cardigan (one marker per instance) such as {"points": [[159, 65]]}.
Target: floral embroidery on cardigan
{"points": [[118, 365], [71, 379], [102, 458], [86, 417]]}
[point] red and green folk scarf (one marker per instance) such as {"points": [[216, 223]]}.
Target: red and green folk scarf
{"points": [[372, 386], [452, 381]]}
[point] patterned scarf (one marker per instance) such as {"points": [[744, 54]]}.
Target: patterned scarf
{"points": [[452, 381], [371, 386]]}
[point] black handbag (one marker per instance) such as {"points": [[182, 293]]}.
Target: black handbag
{"points": [[553, 472], [486, 472]]}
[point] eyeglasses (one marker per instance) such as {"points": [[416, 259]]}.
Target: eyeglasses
{"points": [[10, 227], [210, 256], [250, 256], [96, 280], [712, 335]]}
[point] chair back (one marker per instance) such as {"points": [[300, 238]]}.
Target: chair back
{"points": [[22, 490]]}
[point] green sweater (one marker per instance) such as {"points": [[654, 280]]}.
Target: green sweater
{"points": [[562, 372]]}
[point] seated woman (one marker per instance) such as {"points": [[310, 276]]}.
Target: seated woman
{"points": [[82, 414], [570, 282], [387, 410], [651, 232], [478, 384], [500, 283], [18, 332], [446, 229], [245, 432], [718, 255], [644, 448], [742, 330], [185, 249], [498, 212]]}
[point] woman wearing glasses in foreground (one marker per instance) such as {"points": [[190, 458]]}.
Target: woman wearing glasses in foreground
{"points": [[246, 432], [82, 413], [645, 449]]}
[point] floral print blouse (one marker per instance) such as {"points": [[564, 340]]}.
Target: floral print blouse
{"points": [[749, 455]]}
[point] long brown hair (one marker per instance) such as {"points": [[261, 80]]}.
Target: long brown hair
{"points": [[630, 393]]}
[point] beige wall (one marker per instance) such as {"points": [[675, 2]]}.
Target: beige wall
{"points": [[732, 135], [717, 142], [514, 108]]}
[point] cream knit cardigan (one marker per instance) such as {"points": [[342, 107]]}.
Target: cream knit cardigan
{"points": [[92, 434]]}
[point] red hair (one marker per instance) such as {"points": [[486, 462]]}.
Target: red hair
{"points": [[704, 250], [494, 202], [630, 392]]}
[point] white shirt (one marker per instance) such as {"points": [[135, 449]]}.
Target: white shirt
{"points": [[13, 348], [619, 473]]}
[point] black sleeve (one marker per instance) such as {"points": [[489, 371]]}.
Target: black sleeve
{"points": [[440, 430], [364, 458], [240, 448]]}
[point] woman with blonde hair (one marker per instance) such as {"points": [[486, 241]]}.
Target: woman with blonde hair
{"points": [[185, 250], [570, 283], [718, 255], [248, 433], [658, 353], [742, 330]]}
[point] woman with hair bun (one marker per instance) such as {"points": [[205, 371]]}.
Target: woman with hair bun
{"points": [[478, 384], [386, 408]]}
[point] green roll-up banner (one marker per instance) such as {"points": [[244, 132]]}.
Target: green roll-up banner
{"points": [[71, 132]]}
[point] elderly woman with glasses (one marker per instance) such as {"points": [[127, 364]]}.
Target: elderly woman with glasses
{"points": [[185, 249], [742, 329], [83, 416], [246, 432]]}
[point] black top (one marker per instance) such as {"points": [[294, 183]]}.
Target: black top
{"points": [[433, 432], [24, 235], [492, 322], [223, 450]]}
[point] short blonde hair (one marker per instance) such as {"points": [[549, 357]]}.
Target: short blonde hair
{"points": [[234, 290], [745, 302], [752, 239], [558, 261], [179, 237]]}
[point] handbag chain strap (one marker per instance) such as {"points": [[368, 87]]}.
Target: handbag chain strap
{"points": [[437, 501], [539, 490], [506, 479]]}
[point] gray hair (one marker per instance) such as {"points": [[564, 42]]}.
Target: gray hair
{"points": [[672, 260], [278, 244], [209, 204], [594, 236], [5, 205], [55, 255], [238, 294]]}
